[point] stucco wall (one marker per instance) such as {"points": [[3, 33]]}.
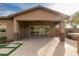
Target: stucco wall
{"points": [[9, 30], [39, 14]]}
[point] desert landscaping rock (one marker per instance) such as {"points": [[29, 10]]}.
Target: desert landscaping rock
{"points": [[17, 42], [5, 50], [12, 45], [3, 44]]}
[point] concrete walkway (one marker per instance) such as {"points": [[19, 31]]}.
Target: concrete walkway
{"points": [[46, 47]]}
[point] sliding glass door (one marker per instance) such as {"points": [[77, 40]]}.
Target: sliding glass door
{"points": [[39, 30]]}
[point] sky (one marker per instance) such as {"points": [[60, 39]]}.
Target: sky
{"points": [[65, 8]]}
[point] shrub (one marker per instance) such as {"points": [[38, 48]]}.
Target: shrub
{"points": [[3, 39], [2, 30]]}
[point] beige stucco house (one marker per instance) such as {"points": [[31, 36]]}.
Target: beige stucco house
{"points": [[35, 22]]}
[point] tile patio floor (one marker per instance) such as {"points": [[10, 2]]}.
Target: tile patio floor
{"points": [[46, 47]]}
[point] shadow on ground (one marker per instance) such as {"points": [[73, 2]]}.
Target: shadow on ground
{"points": [[71, 42], [60, 49]]}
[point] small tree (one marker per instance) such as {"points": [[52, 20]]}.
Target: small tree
{"points": [[75, 20]]}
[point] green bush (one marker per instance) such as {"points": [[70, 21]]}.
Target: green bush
{"points": [[3, 39], [2, 30]]}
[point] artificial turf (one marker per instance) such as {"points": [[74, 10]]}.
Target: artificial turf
{"points": [[2, 45], [14, 48]]}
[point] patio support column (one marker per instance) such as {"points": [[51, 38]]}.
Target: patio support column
{"points": [[16, 30], [62, 31]]}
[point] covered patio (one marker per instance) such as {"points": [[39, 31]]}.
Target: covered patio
{"points": [[39, 17], [55, 28]]}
